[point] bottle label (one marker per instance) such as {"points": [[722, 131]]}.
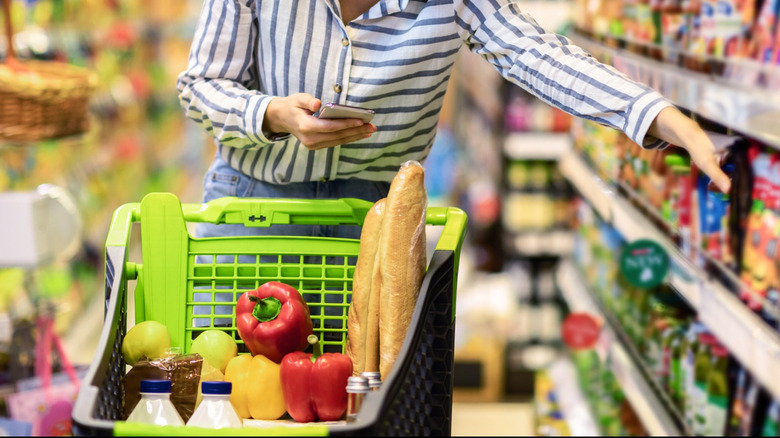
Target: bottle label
{"points": [[717, 413], [700, 408], [690, 387], [675, 378]]}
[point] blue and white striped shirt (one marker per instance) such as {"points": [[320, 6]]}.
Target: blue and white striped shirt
{"points": [[395, 59]]}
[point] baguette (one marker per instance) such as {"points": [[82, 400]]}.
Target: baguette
{"points": [[402, 255], [362, 337]]}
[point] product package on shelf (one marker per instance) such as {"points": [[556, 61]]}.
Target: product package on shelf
{"points": [[710, 390]]}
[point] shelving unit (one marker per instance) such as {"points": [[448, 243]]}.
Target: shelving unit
{"points": [[648, 404], [746, 335], [548, 243], [536, 145], [730, 101]]}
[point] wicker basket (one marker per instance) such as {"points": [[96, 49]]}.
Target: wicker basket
{"points": [[44, 100], [41, 99]]}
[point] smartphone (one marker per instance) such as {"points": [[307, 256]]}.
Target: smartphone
{"points": [[337, 111]]}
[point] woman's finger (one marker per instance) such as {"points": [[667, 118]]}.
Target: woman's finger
{"points": [[710, 165]]}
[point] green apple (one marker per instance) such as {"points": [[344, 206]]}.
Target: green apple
{"points": [[216, 347], [148, 338]]}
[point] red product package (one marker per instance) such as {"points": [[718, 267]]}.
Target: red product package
{"points": [[760, 270]]}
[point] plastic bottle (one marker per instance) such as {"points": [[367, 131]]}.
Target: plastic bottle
{"points": [[687, 370], [772, 421], [215, 411], [155, 406], [718, 392], [673, 343], [701, 370]]}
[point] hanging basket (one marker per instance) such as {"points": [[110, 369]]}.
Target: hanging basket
{"points": [[44, 100], [41, 99]]}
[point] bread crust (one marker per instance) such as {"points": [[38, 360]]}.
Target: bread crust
{"points": [[361, 336], [402, 256]]}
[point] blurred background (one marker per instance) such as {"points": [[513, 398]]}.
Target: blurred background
{"points": [[552, 204]]}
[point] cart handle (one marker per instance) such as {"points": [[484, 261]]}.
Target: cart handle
{"points": [[264, 212]]}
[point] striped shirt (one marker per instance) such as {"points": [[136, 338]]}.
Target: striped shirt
{"points": [[395, 59]]}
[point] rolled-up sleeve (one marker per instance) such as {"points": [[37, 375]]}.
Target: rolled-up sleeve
{"points": [[558, 72], [218, 88]]}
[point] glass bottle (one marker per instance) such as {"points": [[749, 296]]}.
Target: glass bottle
{"points": [[155, 406], [357, 388]]}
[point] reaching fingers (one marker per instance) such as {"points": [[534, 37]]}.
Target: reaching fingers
{"points": [[709, 163]]}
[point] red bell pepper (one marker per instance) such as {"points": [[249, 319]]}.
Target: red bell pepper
{"points": [[273, 320], [315, 385]]}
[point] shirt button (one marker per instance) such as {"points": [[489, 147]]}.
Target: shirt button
{"points": [[344, 42], [337, 88]]}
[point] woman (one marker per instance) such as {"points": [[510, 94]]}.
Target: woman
{"points": [[259, 70]]}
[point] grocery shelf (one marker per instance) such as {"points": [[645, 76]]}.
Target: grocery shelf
{"points": [[750, 110], [542, 243], [646, 401], [536, 145], [754, 343], [571, 400]]}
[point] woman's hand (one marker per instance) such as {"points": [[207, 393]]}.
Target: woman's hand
{"points": [[674, 127], [294, 114]]}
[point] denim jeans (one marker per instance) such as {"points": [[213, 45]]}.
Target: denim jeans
{"points": [[222, 180]]}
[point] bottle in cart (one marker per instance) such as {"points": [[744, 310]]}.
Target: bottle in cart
{"points": [[215, 411], [357, 388], [155, 406], [374, 379]]}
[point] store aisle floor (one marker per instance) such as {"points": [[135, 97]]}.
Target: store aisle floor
{"points": [[492, 419]]}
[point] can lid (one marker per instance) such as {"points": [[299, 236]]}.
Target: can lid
{"points": [[156, 386], [370, 374], [218, 388], [357, 384]]}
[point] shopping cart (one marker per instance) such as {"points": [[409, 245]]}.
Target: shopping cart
{"points": [[181, 276]]}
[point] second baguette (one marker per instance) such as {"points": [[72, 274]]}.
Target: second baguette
{"points": [[362, 337]]}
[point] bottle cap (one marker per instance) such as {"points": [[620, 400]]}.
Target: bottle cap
{"points": [[374, 378], [218, 388], [357, 384], [156, 386]]}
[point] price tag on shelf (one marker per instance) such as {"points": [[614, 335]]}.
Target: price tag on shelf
{"points": [[581, 330]]}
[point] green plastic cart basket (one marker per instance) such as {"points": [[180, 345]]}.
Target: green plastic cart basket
{"points": [[192, 284]]}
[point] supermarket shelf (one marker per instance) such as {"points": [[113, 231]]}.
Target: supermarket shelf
{"points": [[647, 403], [572, 402], [536, 145], [745, 334], [750, 110], [556, 243]]}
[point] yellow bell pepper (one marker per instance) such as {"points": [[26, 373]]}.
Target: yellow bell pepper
{"points": [[257, 387]]}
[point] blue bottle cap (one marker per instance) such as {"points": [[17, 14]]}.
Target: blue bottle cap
{"points": [[218, 388], [156, 386]]}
